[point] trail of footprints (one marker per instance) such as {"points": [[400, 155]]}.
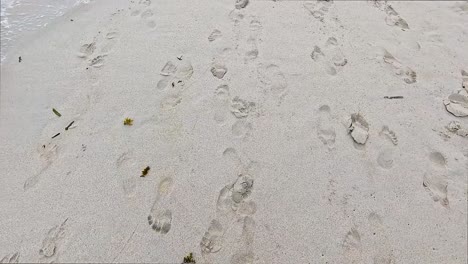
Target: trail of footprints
{"points": [[146, 15], [233, 203], [318, 9], [352, 244], [404, 72], [392, 17]]}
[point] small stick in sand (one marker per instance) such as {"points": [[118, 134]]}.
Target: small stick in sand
{"points": [[145, 171], [394, 97], [19, 59], [56, 112], [56, 135], [69, 125]]}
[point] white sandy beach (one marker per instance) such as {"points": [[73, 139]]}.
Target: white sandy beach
{"points": [[275, 132]]}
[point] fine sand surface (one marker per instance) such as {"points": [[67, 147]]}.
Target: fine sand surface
{"points": [[275, 132]]}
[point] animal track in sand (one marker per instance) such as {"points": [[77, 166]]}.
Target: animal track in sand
{"points": [[406, 73], [50, 243], [331, 57], [160, 219], [13, 258], [87, 49], [319, 8], [325, 130], [358, 129]]}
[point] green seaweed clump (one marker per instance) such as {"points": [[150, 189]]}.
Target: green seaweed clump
{"points": [[189, 258], [128, 121]]}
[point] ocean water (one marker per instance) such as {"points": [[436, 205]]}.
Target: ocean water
{"points": [[19, 18]]}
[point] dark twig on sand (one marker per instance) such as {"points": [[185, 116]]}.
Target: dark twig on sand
{"points": [[394, 97], [56, 135], [69, 125], [56, 112]]}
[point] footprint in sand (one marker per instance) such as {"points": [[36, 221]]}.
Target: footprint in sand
{"points": [[50, 244], [245, 253], [319, 8], [174, 77], [405, 73], [389, 134], [220, 103], [352, 246], [456, 128], [145, 2], [386, 156], [147, 14], [435, 181], [125, 165], [325, 130], [464, 78], [358, 129], [241, 128], [233, 202], [215, 34], [331, 58], [218, 70], [394, 19], [274, 80], [457, 103], [160, 219], [241, 3], [241, 108], [383, 249], [212, 240], [47, 153], [11, 258]]}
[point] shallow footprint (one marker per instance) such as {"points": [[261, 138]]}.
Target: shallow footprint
{"points": [[221, 101], [219, 70], [438, 159], [212, 240], [436, 186], [50, 242], [325, 129], [241, 128], [13, 258], [385, 158], [352, 245], [406, 73]]}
